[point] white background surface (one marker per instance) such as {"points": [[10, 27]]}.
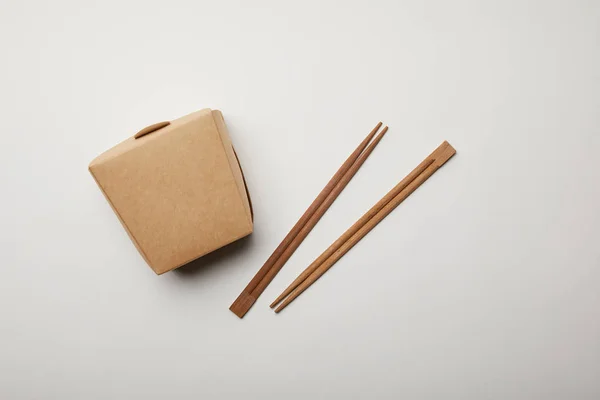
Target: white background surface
{"points": [[483, 285]]}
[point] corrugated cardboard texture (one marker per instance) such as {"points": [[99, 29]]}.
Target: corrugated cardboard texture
{"points": [[179, 191]]}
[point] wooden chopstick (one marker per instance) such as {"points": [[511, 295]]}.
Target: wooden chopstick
{"points": [[354, 228], [366, 223], [319, 213], [276, 261]]}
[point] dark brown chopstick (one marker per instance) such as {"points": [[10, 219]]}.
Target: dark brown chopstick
{"points": [[366, 223], [354, 228], [293, 239], [322, 209]]}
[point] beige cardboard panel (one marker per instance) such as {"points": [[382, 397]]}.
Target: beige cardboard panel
{"points": [[122, 222], [233, 160], [175, 191]]}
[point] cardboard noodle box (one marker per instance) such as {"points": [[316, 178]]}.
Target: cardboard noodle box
{"points": [[177, 188]]}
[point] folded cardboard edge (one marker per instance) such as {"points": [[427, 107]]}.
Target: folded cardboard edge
{"points": [[234, 164], [245, 185]]}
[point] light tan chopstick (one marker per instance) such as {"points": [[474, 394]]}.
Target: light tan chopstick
{"points": [[311, 216], [366, 223], [354, 228]]}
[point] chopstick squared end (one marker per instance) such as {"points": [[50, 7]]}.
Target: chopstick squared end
{"points": [[242, 304], [446, 152]]}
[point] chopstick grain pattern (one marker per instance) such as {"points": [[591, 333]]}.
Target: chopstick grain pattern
{"points": [[442, 154], [318, 214], [259, 282], [354, 228]]}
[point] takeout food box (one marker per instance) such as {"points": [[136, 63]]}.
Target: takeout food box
{"points": [[177, 188]]}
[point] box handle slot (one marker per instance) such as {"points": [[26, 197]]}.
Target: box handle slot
{"points": [[151, 128]]}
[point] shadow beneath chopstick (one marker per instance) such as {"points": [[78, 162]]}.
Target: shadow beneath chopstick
{"points": [[218, 261]]}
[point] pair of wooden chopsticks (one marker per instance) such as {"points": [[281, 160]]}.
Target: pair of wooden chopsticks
{"points": [[364, 225], [306, 223]]}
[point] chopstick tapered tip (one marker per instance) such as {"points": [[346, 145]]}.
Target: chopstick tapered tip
{"points": [[282, 296], [290, 298], [374, 131]]}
